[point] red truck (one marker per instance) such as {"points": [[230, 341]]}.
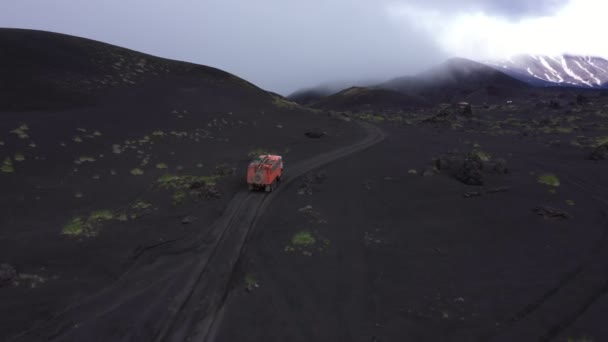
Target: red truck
{"points": [[265, 172]]}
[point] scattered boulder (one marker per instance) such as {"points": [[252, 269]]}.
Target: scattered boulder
{"points": [[581, 99], [251, 285], [320, 177], [469, 168], [554, 104], [466, 108], [471, 194], [443, 162], [551, 213], [498, 189], [7, 274], [470, 171], [209, 192], [189, 219], [452, 113], [315, 134], [500, 166], [430, 171], [600, 153]]}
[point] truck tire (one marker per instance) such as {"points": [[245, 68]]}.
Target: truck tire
{"points": [[250, 186]]}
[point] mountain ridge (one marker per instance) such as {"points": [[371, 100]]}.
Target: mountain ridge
{"points": [[566, 70]]}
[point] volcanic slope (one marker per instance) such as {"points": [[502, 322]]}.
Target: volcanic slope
{"points": [[455, 80], [458, 79], [492, 229], [108, 153], [361, 99]]}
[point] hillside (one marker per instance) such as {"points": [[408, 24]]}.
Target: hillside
{"points": [[458, 80], [361, 99], [125, 215], [454, 81], [42, 70], [310, 95], [107, 152]]}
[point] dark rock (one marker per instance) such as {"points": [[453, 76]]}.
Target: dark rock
{"points": [[211, 192], [315, 134], [554, 105], [600, 153], [444, 162], [499, 189], [467, 110], [470, 172], [551, 213], [320, 177], [581, 99], [189, 219], [472, 194], [196, 185], [429, 171], [500, 166], [7, 274]]}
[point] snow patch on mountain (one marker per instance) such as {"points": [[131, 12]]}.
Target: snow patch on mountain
{"points": [[564, 70]]}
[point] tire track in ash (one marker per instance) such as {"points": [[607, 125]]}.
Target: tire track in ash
{"points": [[174, 289], [574, 293], [164, 274], [199, 312]]}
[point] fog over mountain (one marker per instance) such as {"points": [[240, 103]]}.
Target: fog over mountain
{"points": [[286, 46]]}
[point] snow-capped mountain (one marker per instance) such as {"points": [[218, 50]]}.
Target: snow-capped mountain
{"points": [[564, 70]]}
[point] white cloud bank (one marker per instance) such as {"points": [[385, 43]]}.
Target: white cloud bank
{"points": [[577, 28]]}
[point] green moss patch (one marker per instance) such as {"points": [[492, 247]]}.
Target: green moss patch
{"points": [[84, 159], [306, 243], [7, 165], [377, 119], [140, 205], [87, 227], [101, 215], [137, 172], [303, 238], [76, 227], [21, 131], [185, 186], [483, 156], [184, 182], [549, 179]]}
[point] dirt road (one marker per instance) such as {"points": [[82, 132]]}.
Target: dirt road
{"points": [[175, 289]]}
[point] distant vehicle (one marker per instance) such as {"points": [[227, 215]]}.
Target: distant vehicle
{"points": [[265, 172]]}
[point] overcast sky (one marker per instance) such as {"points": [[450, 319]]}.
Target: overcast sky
{"points": [[284, 45]]}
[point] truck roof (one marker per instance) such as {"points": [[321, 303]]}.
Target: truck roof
{"points": [[266, 159]]}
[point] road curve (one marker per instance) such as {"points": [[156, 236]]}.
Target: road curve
{"points": [[203, 299], [174, 290]]}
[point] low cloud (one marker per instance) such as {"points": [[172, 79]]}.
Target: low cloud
{"points": [[575, 28], [286, 45]]}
